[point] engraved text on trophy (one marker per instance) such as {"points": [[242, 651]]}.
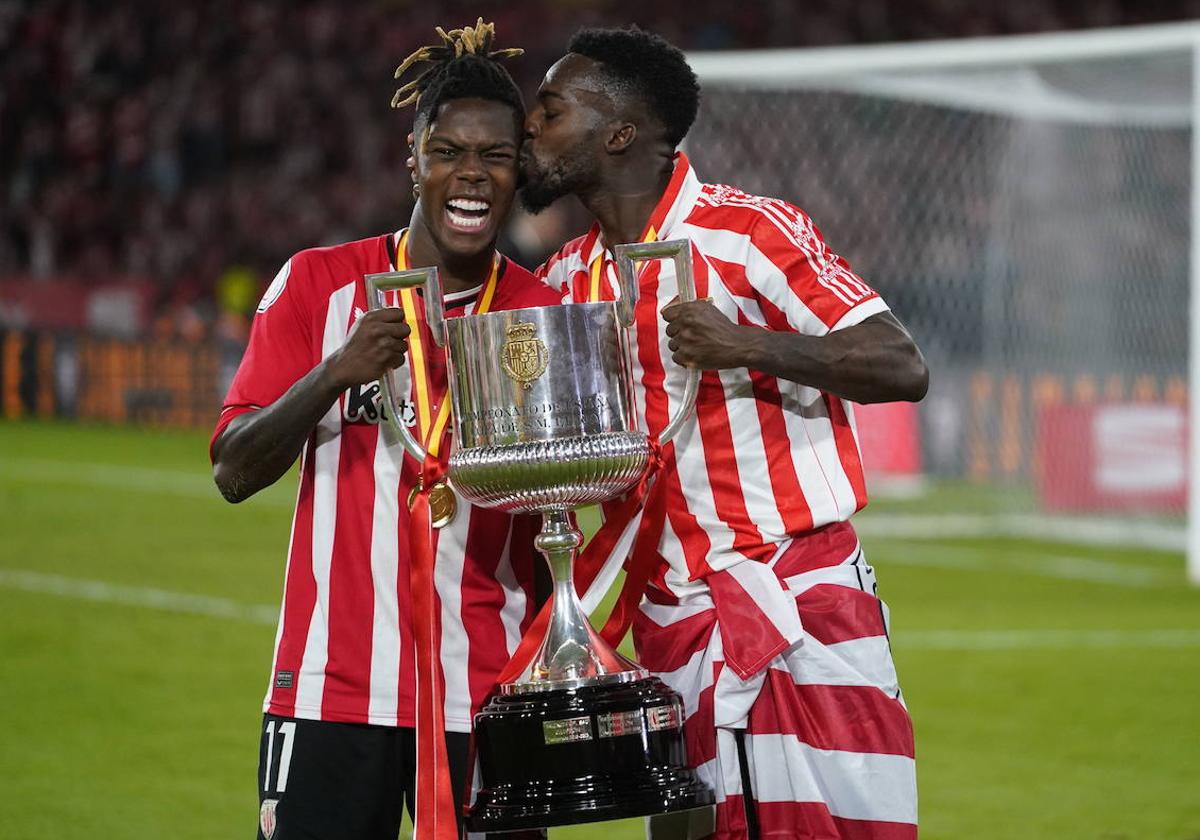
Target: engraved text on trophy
{"points": [[568, 416]]}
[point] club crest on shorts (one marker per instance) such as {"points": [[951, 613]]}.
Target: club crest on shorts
{"points": [[266, 817], [524, 356]]}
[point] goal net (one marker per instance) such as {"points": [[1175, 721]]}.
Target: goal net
{"points": [[1024, 205]]}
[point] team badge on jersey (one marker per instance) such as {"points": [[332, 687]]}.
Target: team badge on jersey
{"points": [[266, 817], [276, 288]]}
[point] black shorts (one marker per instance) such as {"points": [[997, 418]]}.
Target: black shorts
{"points": [[342, 780]]}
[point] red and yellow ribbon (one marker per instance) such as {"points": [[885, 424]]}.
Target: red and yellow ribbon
{"points": [[431, 434], [435, 818]]}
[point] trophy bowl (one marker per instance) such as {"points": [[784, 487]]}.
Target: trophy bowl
{"points": [[555, 430], [545, 422]]}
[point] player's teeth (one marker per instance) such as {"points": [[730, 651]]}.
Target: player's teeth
{"points": [[468, 204], [465, 221]]}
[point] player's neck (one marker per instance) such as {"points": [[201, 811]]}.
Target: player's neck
{"points": [[626, 199], [457, 273]]}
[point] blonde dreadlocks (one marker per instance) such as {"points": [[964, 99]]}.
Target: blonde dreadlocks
{"points": [[469, 41]]}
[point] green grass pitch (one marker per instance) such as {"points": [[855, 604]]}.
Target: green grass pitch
{"points": [[136, 624]]}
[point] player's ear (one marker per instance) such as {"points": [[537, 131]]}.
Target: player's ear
{"points": [[620, 138]]}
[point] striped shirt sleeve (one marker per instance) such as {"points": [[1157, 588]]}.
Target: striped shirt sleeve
{"points": [[814, 287], [280, 350]]}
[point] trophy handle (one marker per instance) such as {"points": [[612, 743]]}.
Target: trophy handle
{"points": [[680, 252], [389, 281]]}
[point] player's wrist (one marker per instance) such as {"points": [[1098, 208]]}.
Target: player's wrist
{"points": [[332, 380], [754, 347]]}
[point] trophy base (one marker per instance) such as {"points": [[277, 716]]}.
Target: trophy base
{"points": [[579, 755]]}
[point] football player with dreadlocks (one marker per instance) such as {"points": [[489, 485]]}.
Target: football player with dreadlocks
{"points": [[338, 750]]}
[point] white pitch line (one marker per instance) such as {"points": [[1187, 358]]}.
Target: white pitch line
{"points": [[1059, 566], [137, 596], [193, 485], [1158, 535], [1048, 639], [1108, 532], [223, 608]]}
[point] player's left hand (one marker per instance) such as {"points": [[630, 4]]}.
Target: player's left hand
{"points": [[701, 337]]}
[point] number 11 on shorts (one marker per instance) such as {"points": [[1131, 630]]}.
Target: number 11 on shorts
{"points": [[287, 732]]}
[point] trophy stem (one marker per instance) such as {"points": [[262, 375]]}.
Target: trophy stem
{"points": [[572, 653], [558, 542]]}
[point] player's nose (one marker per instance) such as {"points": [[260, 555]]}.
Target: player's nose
{"points": [[470, 167], [533, 125]]}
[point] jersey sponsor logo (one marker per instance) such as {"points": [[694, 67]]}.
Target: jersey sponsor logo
{"points": [[284, 679], [266, 818], [276, 288], [364, 404]]}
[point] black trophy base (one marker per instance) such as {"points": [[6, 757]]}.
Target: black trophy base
{"points": [[582, 755]]}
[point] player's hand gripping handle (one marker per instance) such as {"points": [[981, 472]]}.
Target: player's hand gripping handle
{"points": [[680, 252], [388, 281]]}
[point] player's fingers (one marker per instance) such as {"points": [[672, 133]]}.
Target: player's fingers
{"points": [[391, 356], [400, 331], [673, 345], [388, 314], [672, 328], [382, 335], [394, 343], [390, 328]]}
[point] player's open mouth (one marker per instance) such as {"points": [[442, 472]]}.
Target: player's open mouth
{"points": [[467, 214]]}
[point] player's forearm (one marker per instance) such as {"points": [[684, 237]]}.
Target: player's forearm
{"points": [[875, 361], [258, 447]]}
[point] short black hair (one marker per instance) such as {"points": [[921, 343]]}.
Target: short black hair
{"points": [[650, 68], [467, 77]]}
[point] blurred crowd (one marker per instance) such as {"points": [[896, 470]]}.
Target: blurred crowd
{"points": [[195, 146]]}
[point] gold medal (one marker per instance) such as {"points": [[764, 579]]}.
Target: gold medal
{"points": [[443, 504]]}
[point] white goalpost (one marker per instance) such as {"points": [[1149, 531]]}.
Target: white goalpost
{"points": [[1028, 207]]}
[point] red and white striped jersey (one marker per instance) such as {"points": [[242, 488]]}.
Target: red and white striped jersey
{"points": [[344, 649], [762, 459]]}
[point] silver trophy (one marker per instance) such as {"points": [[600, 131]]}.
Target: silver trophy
{"points": [[545, 422]]}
